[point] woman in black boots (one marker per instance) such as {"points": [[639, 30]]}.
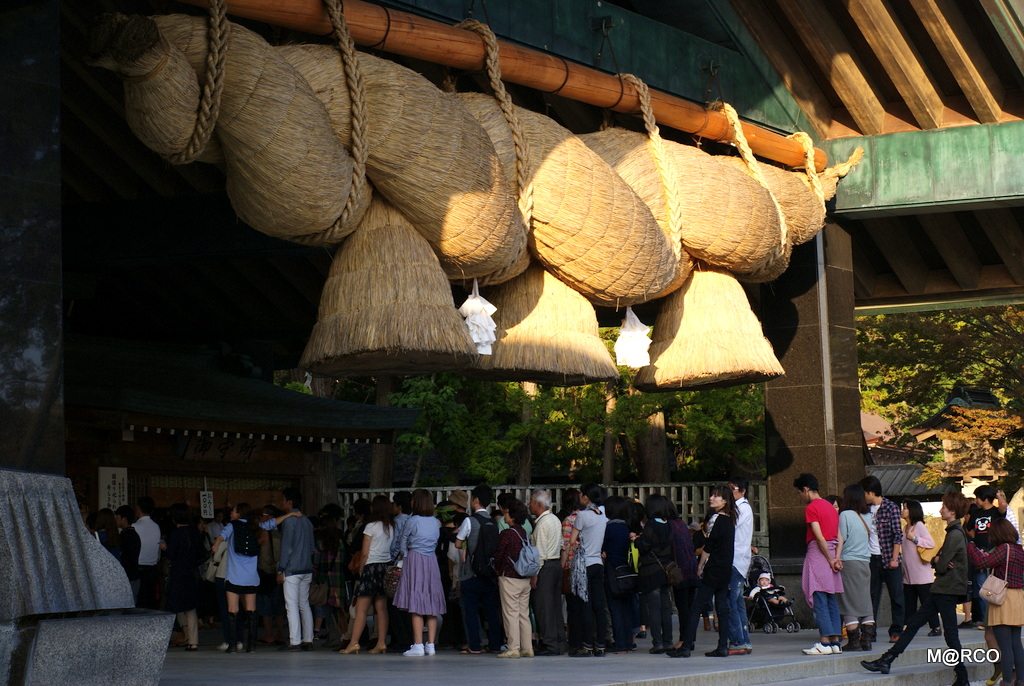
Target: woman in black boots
{"points": [[950, 587]]}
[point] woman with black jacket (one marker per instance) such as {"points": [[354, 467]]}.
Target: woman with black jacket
{"points": [[715, 572], [655, 547]]}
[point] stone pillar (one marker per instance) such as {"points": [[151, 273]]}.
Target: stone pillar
{"points": [[31, 396], [812, 414]]}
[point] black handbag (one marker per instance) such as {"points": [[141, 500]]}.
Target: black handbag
{"points": [[622, 580]]}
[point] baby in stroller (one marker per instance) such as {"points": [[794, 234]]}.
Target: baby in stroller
{"points": [[769, 592], [769, 607]]}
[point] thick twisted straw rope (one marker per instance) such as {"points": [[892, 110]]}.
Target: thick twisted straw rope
{"points": [[754, 167], [524, 181], [812, 174], [209, 102], [661, 160], [360, 135]]}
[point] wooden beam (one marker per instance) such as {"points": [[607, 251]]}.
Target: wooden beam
{"points": [[403, 33], [1004, 231], [892, 239], [964, 56], [787, 64], [901, 61], [951, 242], [836, 58]]}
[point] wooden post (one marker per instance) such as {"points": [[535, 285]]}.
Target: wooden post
{"points": [[410, 35]]}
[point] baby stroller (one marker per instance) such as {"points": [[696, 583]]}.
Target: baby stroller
{"points": [[770, 617]]}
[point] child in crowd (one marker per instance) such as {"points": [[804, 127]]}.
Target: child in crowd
{"points": [[775, 595]]}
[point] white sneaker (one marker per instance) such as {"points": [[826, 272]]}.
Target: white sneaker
{"points": [[428, 649], [222, 647], [818, 649], [836, 649], [239, 647], [416, 650]]}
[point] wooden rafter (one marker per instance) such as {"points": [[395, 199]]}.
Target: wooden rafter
{"points": [[837, 60], [964, 56], [798, 79], [951, 242], [900, 59], [901, 252], [1004, 232]]}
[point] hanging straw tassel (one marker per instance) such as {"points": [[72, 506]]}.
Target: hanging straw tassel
{"points": [[706, 336], [589, 228], [387, 307], [428, 156], [547, 333]]}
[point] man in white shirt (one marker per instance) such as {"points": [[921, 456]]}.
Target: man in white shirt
{"points": [[149, 553], [739, 635], [547, 585]]}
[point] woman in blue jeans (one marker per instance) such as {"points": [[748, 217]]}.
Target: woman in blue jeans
{"points": [[821, 580]]}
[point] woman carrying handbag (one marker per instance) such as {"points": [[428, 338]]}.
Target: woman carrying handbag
{"points": [[1004, 591]]}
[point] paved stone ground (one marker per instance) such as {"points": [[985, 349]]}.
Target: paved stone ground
{"points": [[776, 659]]}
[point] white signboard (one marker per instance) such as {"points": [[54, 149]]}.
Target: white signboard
{"points": [[113, 489], [206, 504]]}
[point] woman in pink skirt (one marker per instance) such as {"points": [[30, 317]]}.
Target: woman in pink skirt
{"points": [[419, 589]]}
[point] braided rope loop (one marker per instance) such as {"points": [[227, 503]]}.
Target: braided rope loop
{"points": [[357, 101], [753, 167], [213, 87], [662, 161], [524, 180], [812, 174]]}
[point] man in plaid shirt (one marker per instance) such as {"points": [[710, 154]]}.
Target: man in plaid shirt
{"points": [[885, 561]]}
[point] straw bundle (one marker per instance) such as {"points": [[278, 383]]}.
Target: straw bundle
{"points": [[547, 333], [589, 228], [387, 307], [288, 175], [707, 336], [429, 157], [162, 92], [727, 219]]}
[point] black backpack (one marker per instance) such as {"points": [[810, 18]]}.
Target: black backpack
{"points": [[245, 540], [486, 545]]}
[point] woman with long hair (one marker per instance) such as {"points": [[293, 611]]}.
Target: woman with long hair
{"points": [[376, 555], [655, 547], [1006, 560], [242, 580], [715, 569], [855, 600], [107, 532], [949, 589], [918, 575], [419, 589]]}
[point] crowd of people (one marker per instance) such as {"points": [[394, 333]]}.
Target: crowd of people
{"points": [[520, 580], [863, 542]]}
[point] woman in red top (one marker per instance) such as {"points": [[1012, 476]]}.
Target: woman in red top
{"points": [[514, 589], [1006, 559], [821, 580]]}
